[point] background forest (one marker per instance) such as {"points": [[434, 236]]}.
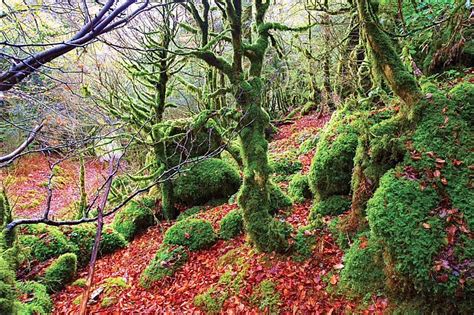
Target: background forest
{"points": [[228, 156]]}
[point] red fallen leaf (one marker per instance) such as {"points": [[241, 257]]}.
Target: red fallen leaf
{"points": [[446, 119], [429, 96], [442, 278], [187, 235], [444, 181], [333, 279], [451, 233], [430, 154], [363, 244], [457, 162], [436, 173], [426, 225], [440, 161]]}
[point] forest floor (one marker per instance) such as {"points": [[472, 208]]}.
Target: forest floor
{"points": [[302, 287]]}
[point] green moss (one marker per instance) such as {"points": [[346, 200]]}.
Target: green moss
{"points": [[396, 215], [167, 260], [363, 268], [132, 220], [7, 288], [211, 300], [113, 286], [189, 213], [266, 297], [60, 272], [83, 237], [298, 188], [463, 95], [39, 302], [206, 180], [305, 240], [309, 144], [231, 225], [285, 164], [81, 283], [44, 241], [278, 199], [193, 233], [331, 167], [334, 205]]}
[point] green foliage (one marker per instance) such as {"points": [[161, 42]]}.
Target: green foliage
{"points": [[81, 283], [266, 297], [334, 205], [298, 188], [60, 272], [206, 180], [210, 300], [363, 268], [113, 286], [83, 237], [7, 288], [189, 213], [167, 260], [331, 167], [39, 302], [195, 234], [278, 199], [132, 220], [231, 225], [44, 241]]}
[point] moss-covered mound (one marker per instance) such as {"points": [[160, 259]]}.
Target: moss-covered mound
{"points": [[7, 288], [44, 241], [334, 205], [284, 165], [189, 213], [60, 272], [331, 167], [195, 234], [83, 236], [420, 216], [206, 180], [298, 188], [231, 225], [135, 218], [39, 302], [167, 260]]}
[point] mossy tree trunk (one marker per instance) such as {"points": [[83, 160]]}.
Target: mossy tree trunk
{"points": [[386, 59]]}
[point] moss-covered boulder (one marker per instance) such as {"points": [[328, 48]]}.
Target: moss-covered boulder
{"points": [[39, 301], [7, 288], [189, 213], [298, 188], [195, 234], [206, 180], [231, 225], [44, 242], [83, 237], [331, 167], [135, 218], [60, 272], [167, 260], [284, 165], [334, 205]]}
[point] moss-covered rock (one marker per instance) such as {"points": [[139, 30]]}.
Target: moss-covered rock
{"points": [[83, 237], [363, 270], [331, 167], [298, 188], [167, 260], [309, 144], [206, 180], [7, 288], [334, 205], [39, 301], [44, 241], [60, 272], [132, 220], [284, 164], [195, 234], [231, 225], [305, 240]]}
